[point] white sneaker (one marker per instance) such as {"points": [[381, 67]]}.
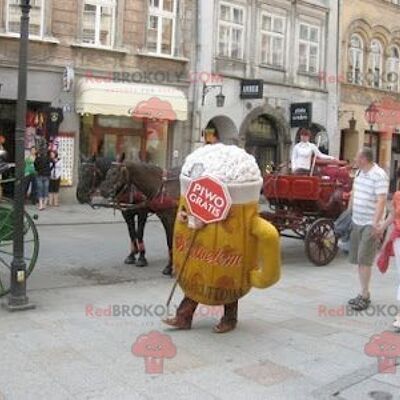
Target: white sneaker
{"points": [[396, 323]]}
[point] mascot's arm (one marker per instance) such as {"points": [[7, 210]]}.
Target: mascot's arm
{"points": [[269, 252]]}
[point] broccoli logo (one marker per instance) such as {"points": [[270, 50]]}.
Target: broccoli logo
{"points": [[386, 347], [154, 347]]}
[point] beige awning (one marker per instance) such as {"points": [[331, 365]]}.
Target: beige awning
{"points": [[130, 100]]}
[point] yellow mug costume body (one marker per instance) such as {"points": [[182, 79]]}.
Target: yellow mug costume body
{"points": [[227, 258]]}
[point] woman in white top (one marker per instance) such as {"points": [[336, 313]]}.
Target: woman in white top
{"points": [[303, 152], [55, 179]]}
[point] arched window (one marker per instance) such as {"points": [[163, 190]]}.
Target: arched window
{"points": [[356, 59], [376, 63], [393, 69]]}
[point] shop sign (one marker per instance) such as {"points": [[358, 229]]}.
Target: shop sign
{"points": [[68, 78], [252, 89], [208, 199], [300, 115]]}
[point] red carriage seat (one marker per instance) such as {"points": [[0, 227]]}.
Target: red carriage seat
{"points": [[292, 187]]}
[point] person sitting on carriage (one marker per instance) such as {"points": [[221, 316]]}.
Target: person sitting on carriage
{"points": [[303, 152]]}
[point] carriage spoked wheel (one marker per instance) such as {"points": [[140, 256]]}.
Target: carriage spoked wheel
{"points": [[31, 244], [321, 242]]}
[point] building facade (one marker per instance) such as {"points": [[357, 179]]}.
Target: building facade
{"points": [[370, 70], [272, 59], [105, 77]]}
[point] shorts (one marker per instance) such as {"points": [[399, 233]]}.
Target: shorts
{"points": [[54, 186], [363, 245]]}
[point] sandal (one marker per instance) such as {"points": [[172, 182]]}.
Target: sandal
{"points": [[362, 304], [355, 300]]}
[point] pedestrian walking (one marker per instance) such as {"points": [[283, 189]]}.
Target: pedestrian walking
{"points": [[30, 175], [368, 202], [392, 246], [55, 179], [43, 169]]}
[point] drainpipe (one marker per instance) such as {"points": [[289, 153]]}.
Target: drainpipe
{"points": [[196, 112], [338, 51], [338, 65]]}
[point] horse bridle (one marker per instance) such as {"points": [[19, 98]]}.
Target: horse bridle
{"points": [[95, 172]]}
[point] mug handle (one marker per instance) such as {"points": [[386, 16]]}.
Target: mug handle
{"points": [[268, 244]]}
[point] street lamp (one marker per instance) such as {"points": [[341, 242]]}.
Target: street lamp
{"points": [[371, 115], [219, 97], [18, 300]]}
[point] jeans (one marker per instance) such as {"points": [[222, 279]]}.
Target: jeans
{"points": [[42, 186], [30, 181]]}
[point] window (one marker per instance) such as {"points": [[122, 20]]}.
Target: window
{"points": [[98, 26], [309, 42], [393, 69], [376, 63], [231, 31], [272, 39], [161, 27], [356, 57], [36, 22]]}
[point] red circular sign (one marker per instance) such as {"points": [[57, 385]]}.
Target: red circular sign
{"points": [[208, 199]]}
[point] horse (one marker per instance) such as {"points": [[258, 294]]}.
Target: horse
{"points": [[92, 172], [161, 192]]}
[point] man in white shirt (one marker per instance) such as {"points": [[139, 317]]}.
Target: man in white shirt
{"points": [[303, 152], [368, 202]]}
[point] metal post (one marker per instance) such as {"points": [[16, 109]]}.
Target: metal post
{"points": [[18, 299]]}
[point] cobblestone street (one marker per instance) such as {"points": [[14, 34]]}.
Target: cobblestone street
{"points": [[293, 341]]}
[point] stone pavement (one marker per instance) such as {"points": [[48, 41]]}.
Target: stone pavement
{"points": [[292, 342]]}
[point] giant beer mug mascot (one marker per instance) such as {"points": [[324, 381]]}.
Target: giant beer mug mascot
{"points": [[222, 248]]}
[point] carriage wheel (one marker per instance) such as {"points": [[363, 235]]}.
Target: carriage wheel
{"points": [[31, 244], [321, 242]]}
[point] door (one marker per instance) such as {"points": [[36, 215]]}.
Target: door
{"points": [[262, 142]]}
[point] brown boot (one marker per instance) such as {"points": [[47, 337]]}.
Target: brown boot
{"points": [[178, 323], [225, 326], [184, 315], [229, 320]]}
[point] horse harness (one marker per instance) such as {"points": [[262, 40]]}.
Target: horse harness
{"points": [[131, 189]]}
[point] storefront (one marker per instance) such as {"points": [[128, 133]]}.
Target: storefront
{"points": [[50, 118], [143, 122]]}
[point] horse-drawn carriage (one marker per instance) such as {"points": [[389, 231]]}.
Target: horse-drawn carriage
{"points": [[301, 207], [31, 237], [305, 207]]}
